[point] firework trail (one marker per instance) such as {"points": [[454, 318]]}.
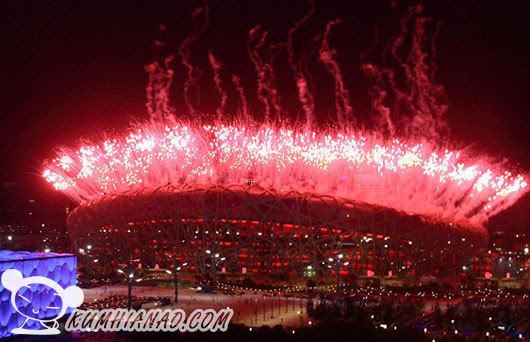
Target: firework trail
{"points": [[429, 110], [157, 90], [192, 74], [327, 57], [312, 50], [410, 170], [256, 61], [241, 93], [418, 106], [421, 100], [267, 93], [304, 94], [378, 92], [216, 68]]}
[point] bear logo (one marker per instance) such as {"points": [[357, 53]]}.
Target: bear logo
{"points": [[40, 299]]}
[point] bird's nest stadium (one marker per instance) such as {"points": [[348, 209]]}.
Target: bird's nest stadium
{"points": [[248, 229]]}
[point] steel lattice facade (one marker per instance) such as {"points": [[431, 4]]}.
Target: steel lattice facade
{"points": [[214, 229]]}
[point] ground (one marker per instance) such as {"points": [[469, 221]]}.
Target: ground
{"points": [[251, 309]]}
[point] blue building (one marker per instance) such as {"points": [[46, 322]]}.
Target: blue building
{"points": [[61, 268]]}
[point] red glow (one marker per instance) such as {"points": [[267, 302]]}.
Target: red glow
{"points": [[415, 178], [402, 164]]}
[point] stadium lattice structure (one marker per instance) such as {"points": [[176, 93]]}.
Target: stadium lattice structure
{"points": [[249, 229]]}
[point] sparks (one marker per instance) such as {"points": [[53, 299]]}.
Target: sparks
{"points": [[414, 178], [390, 165]]}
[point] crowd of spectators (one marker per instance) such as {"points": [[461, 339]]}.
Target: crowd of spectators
{"points": [[465, 317]]}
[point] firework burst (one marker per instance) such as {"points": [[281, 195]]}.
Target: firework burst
{"points": [[415, 175]]}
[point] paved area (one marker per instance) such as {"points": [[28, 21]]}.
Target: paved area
{"points": [[252, 309]]}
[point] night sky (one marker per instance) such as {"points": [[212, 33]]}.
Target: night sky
{"points": [[72, 69]]}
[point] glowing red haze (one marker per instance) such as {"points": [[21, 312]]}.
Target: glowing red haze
{"points": [[388, 166]]}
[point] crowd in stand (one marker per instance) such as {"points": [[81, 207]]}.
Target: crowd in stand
{"points": [[471, 317]]}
